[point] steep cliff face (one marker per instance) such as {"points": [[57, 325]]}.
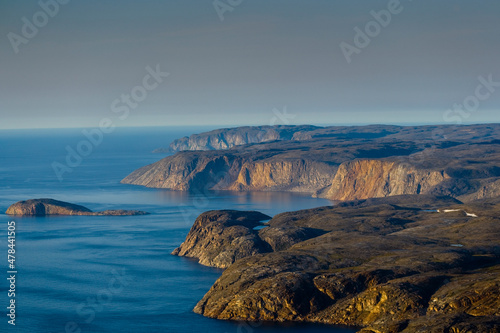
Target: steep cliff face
{"points": [[379, 178], [187, 172], [353, 180], [288, 175], [190, 171], [338, 163], [358, 179]]}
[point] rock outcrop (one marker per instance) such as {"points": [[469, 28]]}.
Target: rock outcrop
{"points": [[219, 238], [43, 207], [342, 163], [386, 265]]}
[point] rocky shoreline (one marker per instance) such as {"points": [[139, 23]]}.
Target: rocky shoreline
{"points": [[392, 264]]}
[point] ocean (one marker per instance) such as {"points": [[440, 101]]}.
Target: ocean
{"points": [[104, 273]]}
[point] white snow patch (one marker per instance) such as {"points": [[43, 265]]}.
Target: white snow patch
{"points": [[456, 210]]}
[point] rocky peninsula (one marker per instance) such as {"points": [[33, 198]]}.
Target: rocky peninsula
{"points": [[338, 163], [411, 263], [44, 207], [225, 138], [219, 238]]}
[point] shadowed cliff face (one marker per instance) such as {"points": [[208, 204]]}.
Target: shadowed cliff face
{"points": [[186, 171], [43, 207], [343, 163], [387, 264], [359, 179]]}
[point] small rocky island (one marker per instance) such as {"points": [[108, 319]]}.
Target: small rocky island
{"points": [[411, 263], [44, 207]]}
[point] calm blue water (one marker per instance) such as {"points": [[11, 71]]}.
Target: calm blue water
{"points": [[112, 274]]}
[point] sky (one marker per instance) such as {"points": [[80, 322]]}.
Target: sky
{"points": [[85, 63]]}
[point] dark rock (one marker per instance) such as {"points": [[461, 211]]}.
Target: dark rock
{"points": [[385, 266], [43, 207], [219, 238], [281, 238]]}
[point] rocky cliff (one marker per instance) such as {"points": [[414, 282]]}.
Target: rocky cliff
{"points": [[363, 179], [288, 175], [229, 137], [186, 171], [219, 238], [43, 207], [388, 265], [190, 171], [344, 163]]}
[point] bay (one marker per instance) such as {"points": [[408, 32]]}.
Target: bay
{"points": [[114, 274]]}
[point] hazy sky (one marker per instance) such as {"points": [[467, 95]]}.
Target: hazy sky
{"points": [[81, 64]]}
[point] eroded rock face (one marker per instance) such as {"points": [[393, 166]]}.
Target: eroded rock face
{"points": [[340, 163], [387, 265], [296, 175], [43, 207], [364, 179], [188, 171]]}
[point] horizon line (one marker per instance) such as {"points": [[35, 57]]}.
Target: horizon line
{"points": [[220, 126]]}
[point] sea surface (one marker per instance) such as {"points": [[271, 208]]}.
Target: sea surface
{"points": [[112, 274]]}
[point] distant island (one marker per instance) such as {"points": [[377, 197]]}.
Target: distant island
{"points": [[44, 207], [412, 263], [337, 162]]}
